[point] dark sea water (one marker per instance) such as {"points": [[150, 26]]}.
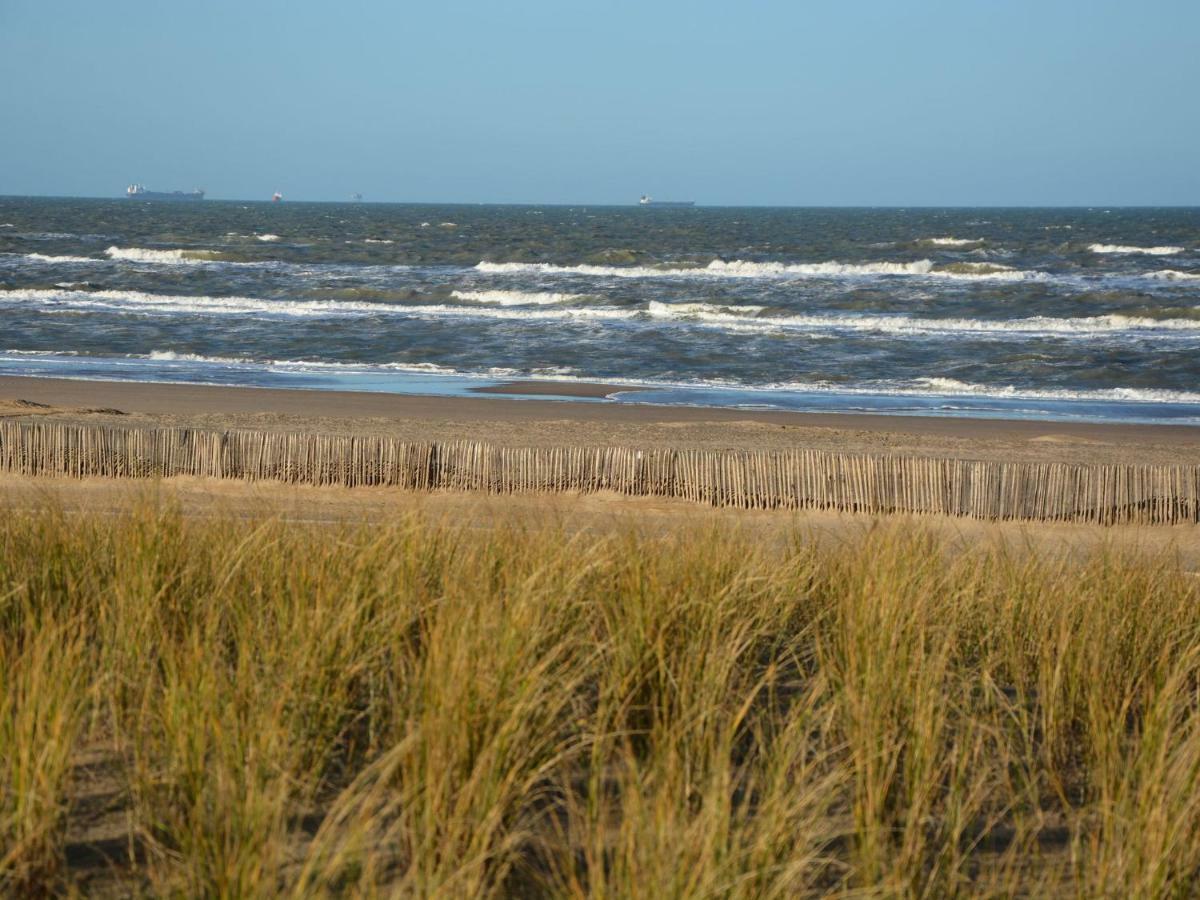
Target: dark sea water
{"points": [[1055, 313]]}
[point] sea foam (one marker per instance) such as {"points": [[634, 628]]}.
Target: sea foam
{"points": [[745, 318], [516, 298], [45, 258], [951, 241], [1124, 249], [143, 302], [1172, 275], [733, 318], [719, 269], [141, 254]]}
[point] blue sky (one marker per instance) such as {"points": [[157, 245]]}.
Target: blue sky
{"points": [[878, 102]]}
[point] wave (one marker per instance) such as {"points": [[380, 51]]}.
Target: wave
{"points": [[1172, 275], [951, 241], [516, 298], [745, 318], [377, 241], [933, 387], [1124, 249], [45, 258], [732, 318], [744, 269], [270, 238], [718, 269], [142, 302], [173, 356], [706, 311], [140, 254], [954, 387]]}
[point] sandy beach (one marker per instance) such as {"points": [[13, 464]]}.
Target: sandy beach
{"points": [[559, 418]]}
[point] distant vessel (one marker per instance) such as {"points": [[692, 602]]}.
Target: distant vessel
{"points": [[276, 197], [650, 201], [139, 192], [357, 198]]}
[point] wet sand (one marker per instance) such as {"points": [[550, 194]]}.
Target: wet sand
{"points": [[575, 389], [507, 421]]}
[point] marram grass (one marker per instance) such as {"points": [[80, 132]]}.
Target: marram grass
{"points": [[418, 710]]}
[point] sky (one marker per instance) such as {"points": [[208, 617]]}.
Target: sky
{"points": [[874, 102]]}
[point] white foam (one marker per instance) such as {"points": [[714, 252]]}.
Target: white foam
{"points": [[270, 238], [1123, 249], [1173, 275], [142, 302], [376, 241], [172, 356], [732, 318], [516, 298], [7, 225], [140, 254], [421, 368], [745, 318], [720, 269], [952, 241], [954, 387], [986, 271], [44, 258], [708, 312]]}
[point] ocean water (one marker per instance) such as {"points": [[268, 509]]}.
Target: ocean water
{"points": [[1045, 313]]}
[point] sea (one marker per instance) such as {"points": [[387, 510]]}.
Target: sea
{"points": [[1058, 314]]}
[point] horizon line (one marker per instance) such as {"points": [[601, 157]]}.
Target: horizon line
{"points": [[634, 203]]}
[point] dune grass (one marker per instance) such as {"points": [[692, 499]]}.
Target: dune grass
{"points": [[419, 710]]}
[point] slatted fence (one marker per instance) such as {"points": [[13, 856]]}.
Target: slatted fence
{"points": [[796, 479]]}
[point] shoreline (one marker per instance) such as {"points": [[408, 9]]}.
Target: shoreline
{"points": [[580, 419]]}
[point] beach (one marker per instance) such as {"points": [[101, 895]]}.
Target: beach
{"points": [[558, 421]]}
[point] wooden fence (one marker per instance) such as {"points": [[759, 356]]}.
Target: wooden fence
{"points": [[799, 479]]}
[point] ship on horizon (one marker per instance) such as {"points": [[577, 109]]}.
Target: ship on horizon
{"points": [[647, 200], [140, 192]]}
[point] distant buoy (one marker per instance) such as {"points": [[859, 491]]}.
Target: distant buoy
{"points": [[276, 197]]}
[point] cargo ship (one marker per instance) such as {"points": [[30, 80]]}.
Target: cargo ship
{"points": [[650, 201], [139, 192]]}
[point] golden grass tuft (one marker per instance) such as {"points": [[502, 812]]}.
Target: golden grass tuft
{"points": [[419, 709]]}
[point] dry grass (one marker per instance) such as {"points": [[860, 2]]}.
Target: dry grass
{"points": [[419, 710]]}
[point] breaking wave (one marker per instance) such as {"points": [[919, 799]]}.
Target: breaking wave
{"points": [[706, 311], [142, 302], [516, 298], [744, 318], [954, 387], [140, 254], [951, 241], [744, 269], [1123, 249], [45, 258], [733, 318], [269, 238], [1173, 275], [719, 269]]}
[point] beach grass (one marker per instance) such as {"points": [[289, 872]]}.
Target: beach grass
{"points": [[236, 708]]}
